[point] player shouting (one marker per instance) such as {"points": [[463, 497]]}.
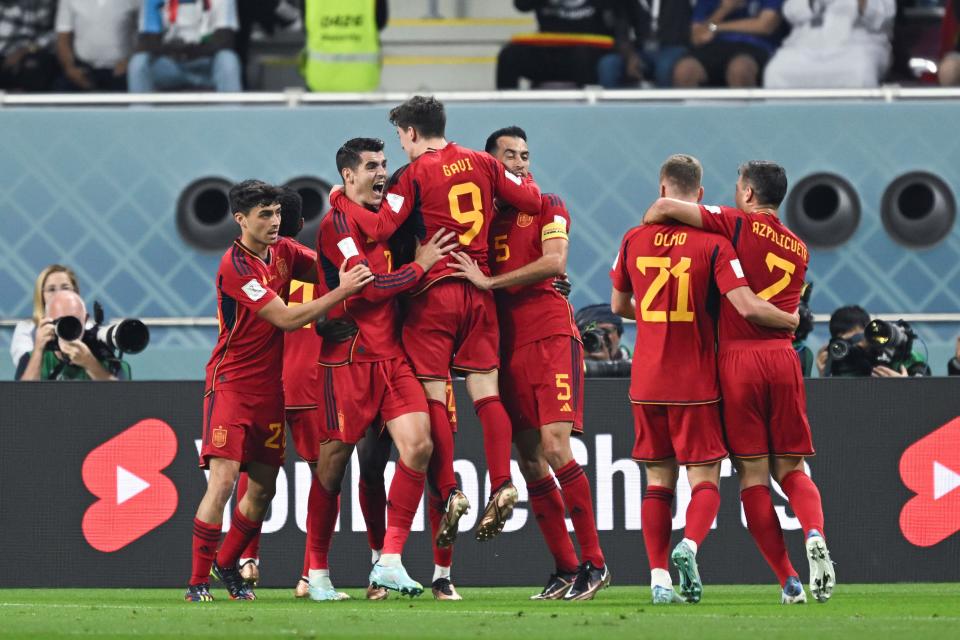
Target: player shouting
{"points": [[243, 402], [450, 322], [542, 381], [764, 400], [676, 275], [369, 376]]}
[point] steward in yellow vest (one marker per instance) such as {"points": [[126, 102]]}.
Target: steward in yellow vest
{"points": [[343, 44]]}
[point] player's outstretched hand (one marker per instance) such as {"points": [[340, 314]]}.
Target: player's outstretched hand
{"points": [[352, 280], [468, 268], [442, 243], [562, 285]]}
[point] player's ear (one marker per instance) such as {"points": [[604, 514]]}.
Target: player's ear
{"points": [[700, 195], [663, 190]]}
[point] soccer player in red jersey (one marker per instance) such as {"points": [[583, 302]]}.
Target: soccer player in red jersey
{"points": [[369, 376], [450, 323], [243, 402], [676, 275], [764, 401], [542, 372]]}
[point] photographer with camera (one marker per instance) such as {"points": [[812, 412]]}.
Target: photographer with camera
{"points": [[603, 354], [863, 347], [62, 348]]}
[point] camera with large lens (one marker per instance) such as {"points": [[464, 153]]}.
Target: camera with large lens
{"points": [[594, 339], [889, 342], [67, 328], [106, 341], [848, 357]]}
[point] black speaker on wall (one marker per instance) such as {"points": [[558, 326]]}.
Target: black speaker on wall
{"points": [[203, 214], [823, 209], [918, 209], [316, 199]]}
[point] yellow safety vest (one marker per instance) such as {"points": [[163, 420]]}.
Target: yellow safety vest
{"points": [[343, 46]]}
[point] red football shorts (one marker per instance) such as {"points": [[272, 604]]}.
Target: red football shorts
{"points": [[305, 428], [243, 427], [364, 390], [542, 382], [451, 324], [690, 433], [764, 400]]}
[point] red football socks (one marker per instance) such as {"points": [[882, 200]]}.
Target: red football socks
{"points": [[205, 539], [406, 490], [804, 500], [373, 505], [547, 507], [441, 462], [242, 530], [656, 521], [322, 512], [764, 526], [252, 549], [497, 436], [701, 512], [442, 556], [579, 502]]}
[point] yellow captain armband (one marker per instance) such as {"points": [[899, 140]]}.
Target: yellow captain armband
{"points": [[554, 230]]}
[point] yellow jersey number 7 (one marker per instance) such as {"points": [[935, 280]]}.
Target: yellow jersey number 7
{"points": [[472, 216]]}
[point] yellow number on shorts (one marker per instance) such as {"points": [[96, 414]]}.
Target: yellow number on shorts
{"points": [[474, 216], [680, 271], [388, 256], [776, 262], [564, 386], [503, 249], [279, 433]]}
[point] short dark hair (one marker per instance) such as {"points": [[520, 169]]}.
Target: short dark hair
{"points": [[348, 156], [767, 179], [426, 115], [685, 172], [291, 211], [846, 318], [512, 132], [246, 195], [598, 313]]}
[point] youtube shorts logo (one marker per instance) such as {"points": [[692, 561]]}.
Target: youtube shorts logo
{"points": [[930, 468], [125, 474]]}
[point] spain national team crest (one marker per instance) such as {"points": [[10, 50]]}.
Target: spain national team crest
{"points": [[219, 438], [524, 220]]}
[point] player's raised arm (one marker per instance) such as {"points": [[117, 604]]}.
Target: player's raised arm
{"points": [[761, 312], [292, 318], [388, 285], [671, 209], [523, 193], [552, 264]]}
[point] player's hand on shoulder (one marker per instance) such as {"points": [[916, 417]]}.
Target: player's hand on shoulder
{"points": [[355, 278], [468, 268], [430, 253], [653, 214], [562, 285]]}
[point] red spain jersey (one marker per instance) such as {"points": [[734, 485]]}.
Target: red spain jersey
{"points": [[675, 275], [375, 308], [774, 261], [248, 356], [451, 188], [535, 311], [301, 349]]}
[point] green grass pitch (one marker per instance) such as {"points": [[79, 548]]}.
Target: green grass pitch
{"points": [[903, 611]]}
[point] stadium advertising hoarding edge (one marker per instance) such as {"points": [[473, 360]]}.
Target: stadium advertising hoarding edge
{"points": [[100, 483]]}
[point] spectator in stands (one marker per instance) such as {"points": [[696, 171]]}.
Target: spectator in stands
{"points": [[847, 330], [650, 37], [186, 44], [26, 338], [732, 41], [573, 37], [343, 55], [833, 43], [949, 73], [601, 330], [27, 62], [94, 43], [953, 367]]}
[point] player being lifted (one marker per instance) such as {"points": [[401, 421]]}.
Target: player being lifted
{"points": [[369, 376], [450, 322], [542, 372], [243, 402], [676, 276], [764, 400]]}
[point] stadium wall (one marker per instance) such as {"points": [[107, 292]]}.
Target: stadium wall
{"points": [[100, 483], [97, 188]]}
